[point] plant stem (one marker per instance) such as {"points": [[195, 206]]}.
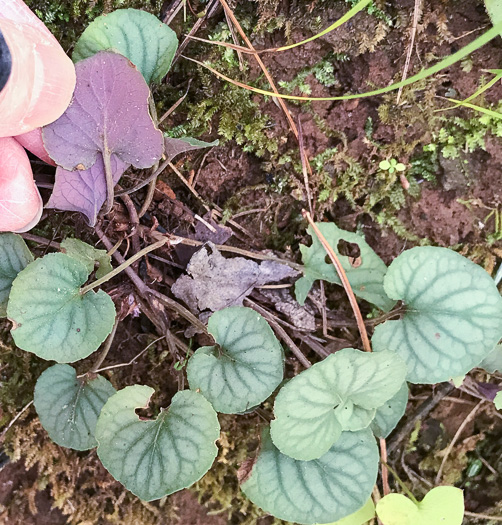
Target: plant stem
{"points": [[108, 177], [106, 348], [124, 265], [345, 281], [403, 486], [385, 472]]}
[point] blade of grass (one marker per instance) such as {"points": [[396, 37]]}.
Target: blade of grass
{"points": [[443, 64], [345, 18], [488, 85], [489, 112]]}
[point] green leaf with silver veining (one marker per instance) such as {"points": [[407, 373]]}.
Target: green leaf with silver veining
{"points": [[154, 458], [453, 314], [390, 413], [244, 367], [14, 257], [317, 491], [493, 361], [68, 407], [139, 36], [342, 392], [365, 274], [51, 317], [88, 255]]}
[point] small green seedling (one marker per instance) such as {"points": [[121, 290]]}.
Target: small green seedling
{"points": [[392, 165]]}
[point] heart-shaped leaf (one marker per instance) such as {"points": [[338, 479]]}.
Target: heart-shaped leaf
{"points": [[318, 491], [453, 318], [340, 393], [493, 361], [360, 517], [68, 407], [244, 367], [14, 257], [390, 413], [154, 458], [84, 190], [140, 36], [51, 317], [441, 506], [365, 271], [88, 256], [109, 116]]}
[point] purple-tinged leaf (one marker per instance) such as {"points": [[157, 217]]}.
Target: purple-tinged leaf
{"points": [[84, 191], [175, 147], [488, 390], [108, 114]]}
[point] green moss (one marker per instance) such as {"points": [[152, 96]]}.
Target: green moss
{"points": [[467, 134], [323, 72], [18, 373]]}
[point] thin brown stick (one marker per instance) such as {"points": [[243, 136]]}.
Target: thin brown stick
{"points": [[217, 210], [175, 105], [305, 170], [261, 64], [229, 249], [40, 240], [469, 418], [385, 471], [106, 348], [416, 15], [137, 356], [482, 516], [234, 38], [12, 421], [345, 281], [281, 333], [147, 181]]}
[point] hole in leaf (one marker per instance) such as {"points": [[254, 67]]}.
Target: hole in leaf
{"points": [[349, 249], [146, 414]]}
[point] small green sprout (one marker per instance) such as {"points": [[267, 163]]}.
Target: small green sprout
{"points": [[392, 165]]}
